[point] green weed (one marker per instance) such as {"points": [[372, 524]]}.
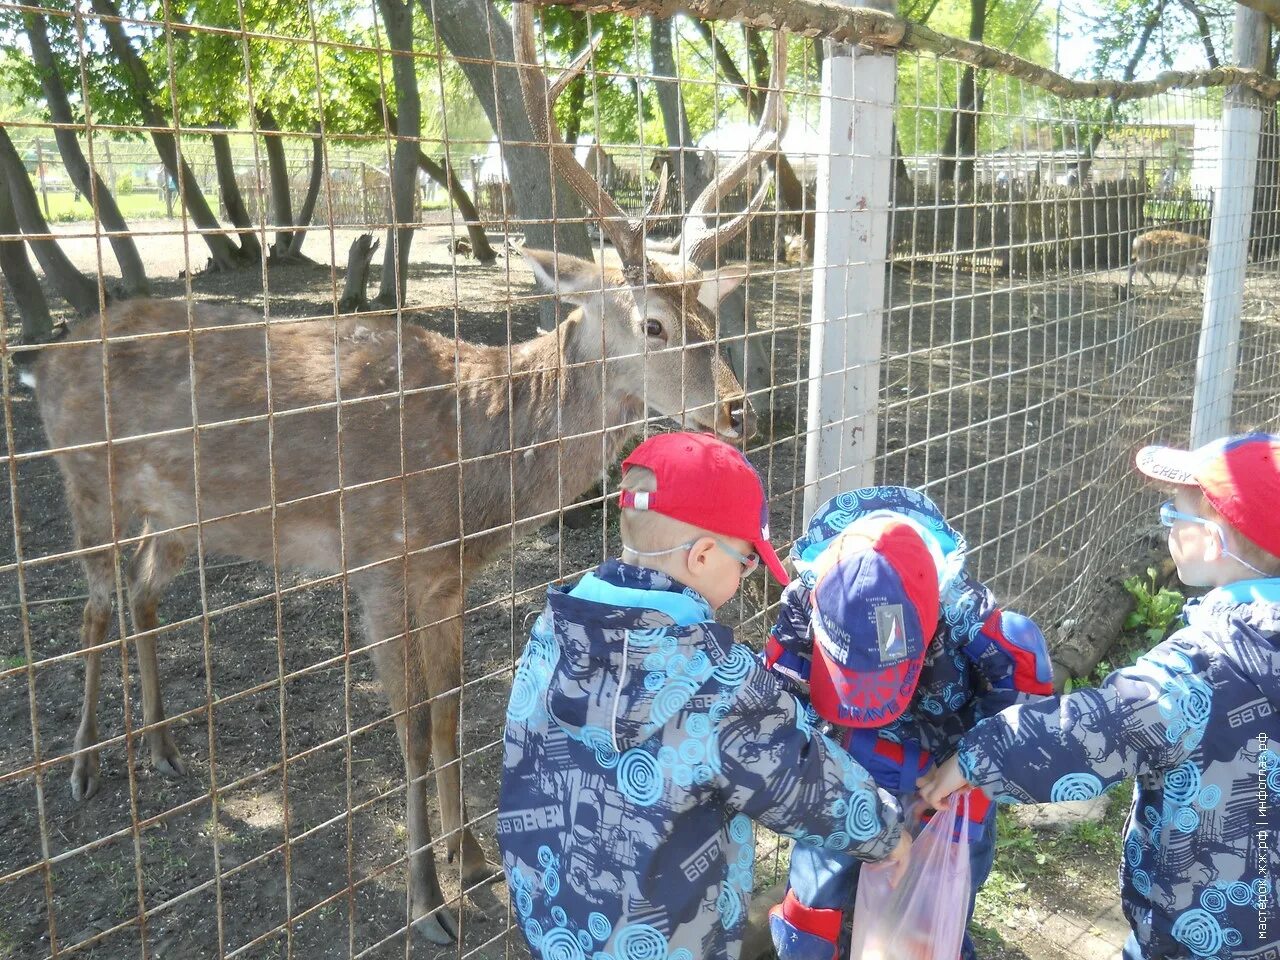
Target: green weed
{"points": [[1156, 608]]}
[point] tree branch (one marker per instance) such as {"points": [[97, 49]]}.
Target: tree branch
{"points": [[725, 62], [1202, 24], [872, 28]]}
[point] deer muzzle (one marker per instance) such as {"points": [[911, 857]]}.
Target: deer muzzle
{"points": [[735, 419]]}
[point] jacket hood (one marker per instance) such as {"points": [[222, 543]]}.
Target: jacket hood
{"points": [[1250, 610], [945, 543], [631, 649]]}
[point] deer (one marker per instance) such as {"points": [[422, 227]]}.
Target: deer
{"points": [[1170, 250], [375, 450]]}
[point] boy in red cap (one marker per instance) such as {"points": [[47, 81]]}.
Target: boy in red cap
{"points": [[902, 652], [641, 741], [1196, 721]]}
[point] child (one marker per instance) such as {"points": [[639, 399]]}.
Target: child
{"points": [[641, 741], [1196, 721], [902, 652]]}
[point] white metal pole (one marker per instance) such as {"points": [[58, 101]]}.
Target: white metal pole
{"points": [[1229, 240], [851, 244]]}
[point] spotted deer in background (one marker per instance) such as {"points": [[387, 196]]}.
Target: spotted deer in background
{"points": [[1171, 251]]}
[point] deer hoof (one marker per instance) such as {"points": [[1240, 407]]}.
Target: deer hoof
{"points": [[84, 777], [476, 867], [170, 764], [164, 754], [477, 871], [437, 927]]}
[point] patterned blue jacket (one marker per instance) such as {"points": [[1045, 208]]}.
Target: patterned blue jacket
{"points": [[1197, 721], [641, 743], [974, 667]]}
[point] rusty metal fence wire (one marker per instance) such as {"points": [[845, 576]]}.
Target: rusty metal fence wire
{"points": [[358, 462]]}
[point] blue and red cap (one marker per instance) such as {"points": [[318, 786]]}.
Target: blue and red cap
{"points": [[705, 482], [1239, 475], [875, 609]]}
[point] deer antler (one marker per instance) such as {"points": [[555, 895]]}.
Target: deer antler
{"points": [[698, 240], [539, 98]]}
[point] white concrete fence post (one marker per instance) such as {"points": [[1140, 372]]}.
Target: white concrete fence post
{"points": [[851, 244], [1229, 240]]}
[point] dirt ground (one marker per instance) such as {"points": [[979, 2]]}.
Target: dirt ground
{"points": [[1015, 402]]}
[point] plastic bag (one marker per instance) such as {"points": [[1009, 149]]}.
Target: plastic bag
{"points": [[924, 916]]}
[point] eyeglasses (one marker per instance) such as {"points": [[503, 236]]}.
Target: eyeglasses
{"points": [[1169, 515], [749, 561]]}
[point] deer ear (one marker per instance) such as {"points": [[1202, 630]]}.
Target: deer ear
{"points": [[717, 286], [573, 279]]}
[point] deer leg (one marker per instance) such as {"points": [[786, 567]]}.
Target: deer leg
{"points": [[153, 566], [99, 571], [440, 646], [401, 672]]}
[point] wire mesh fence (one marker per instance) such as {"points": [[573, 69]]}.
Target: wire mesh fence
{"points": [[278, 519]]}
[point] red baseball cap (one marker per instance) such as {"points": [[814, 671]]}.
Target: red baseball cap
{"points": [[703, 481], [875, 609], [1239, 475]]}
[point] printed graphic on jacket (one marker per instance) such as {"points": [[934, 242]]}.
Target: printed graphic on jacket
{"points": [[1197, 721], [641, 743]]}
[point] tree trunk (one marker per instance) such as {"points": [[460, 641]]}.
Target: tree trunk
{"points": [[442, 173], [358, 259], [478, 36], [225, 254], [21, 277], [397, 17], [132, 272], [231, 198], [313, 194], [956, 162], [684, 159], [278, 174], [724, 60], [72, 285]]}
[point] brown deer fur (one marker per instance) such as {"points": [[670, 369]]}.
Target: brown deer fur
{"points": [[403, 481], [1170, 250]]}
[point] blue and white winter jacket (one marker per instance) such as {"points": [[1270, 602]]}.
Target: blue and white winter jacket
{"points": [[641, 743], [1197, 722], [979, 661]]}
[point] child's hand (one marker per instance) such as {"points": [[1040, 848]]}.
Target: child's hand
{"points": [[941, 782], [900, 857]]}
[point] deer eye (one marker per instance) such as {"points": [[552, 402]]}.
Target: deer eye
{"points": [[654, 328]]}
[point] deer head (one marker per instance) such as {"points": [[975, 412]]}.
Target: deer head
{"points": [[654, 340], [654, 321]]}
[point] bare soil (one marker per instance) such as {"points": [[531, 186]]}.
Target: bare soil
{"points": [[1016, 402]]}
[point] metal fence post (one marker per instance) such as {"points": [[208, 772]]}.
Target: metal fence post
{"points": [[1229, 240], [44, 189], [111, 170], [851, 244], [364, 192]]}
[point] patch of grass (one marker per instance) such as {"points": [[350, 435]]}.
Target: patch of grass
{"points": [[1033, 867], [14, 662], [146, 205], [64, 208]]}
